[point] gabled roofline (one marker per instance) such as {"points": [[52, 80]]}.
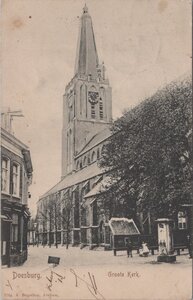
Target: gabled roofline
{"points": [[12, 139], [98, 143]]}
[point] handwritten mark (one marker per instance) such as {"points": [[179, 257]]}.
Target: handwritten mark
{"points": [[58, 278], [91, 285], [9, 285]]}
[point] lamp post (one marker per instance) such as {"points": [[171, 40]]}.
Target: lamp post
{"points": [[36, 231], [33, 234]]}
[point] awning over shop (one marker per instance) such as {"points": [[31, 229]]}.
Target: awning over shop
{"points": [[123, 226]]}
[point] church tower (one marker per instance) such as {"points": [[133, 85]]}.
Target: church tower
{"points": [[87, 102]]}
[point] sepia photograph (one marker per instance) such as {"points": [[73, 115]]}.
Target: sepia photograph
{"points": [[96, 150]]}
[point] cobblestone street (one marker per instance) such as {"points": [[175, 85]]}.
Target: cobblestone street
{"points": [[118, 276], [76, 257]]}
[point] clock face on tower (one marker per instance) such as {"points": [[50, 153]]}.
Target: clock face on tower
{"points": [[93, 97]]}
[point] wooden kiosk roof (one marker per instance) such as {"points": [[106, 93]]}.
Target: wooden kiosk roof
{"points": [[123, 226]]}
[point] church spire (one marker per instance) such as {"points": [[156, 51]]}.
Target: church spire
{"points": [[86, 57], [85, 9]]}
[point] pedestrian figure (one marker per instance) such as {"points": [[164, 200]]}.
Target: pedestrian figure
{"points": [[145, 249], [189, 246], [129, 247]]}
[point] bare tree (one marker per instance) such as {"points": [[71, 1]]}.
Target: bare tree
{"points": [[67, 205], [51, 215]]}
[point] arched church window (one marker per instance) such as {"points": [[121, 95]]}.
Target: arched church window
{"points": [[98, 153], [76, 208], [84, 161], [83, 216], [83, 99], [95, 213], [69, 146], [103, 150], [93, 157], [68, 115], [182, 220], [77, 165]]}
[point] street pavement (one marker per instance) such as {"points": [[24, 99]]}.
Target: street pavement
{"points": [[97, 274]]}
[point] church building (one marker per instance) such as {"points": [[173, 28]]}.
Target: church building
{"points": [[68, 212]]}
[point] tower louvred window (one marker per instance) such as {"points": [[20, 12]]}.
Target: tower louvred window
{"points": [[93, 111], [101, 108]]}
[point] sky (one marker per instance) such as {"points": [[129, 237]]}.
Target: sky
{"points": [[144, 44]]}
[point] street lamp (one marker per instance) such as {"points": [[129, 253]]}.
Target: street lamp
{"points": [[36, 230], [33, 233]]}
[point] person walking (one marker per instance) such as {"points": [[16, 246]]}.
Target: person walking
{"points": [[129, 247], [189, 245]]}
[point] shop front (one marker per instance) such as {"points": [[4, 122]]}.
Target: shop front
{"points": [[14, 228]]}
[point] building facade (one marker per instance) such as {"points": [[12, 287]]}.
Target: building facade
{"points": [[87, 116], [71, 211], [16, 176]]}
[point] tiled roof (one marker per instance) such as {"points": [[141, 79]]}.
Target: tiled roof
{"points": [[75, 178], [95, 140], [123, 226]]}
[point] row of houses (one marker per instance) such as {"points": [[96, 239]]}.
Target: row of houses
{"points": [[16, 177]]}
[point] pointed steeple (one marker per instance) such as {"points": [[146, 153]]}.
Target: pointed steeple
{"points": [[86, 57]]}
